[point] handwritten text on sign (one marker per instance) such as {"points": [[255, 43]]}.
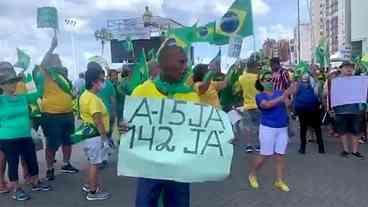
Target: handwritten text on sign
{"points": [[175, 140]]}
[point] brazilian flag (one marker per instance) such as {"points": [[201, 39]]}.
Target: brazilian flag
{"points": [[183, 36], [208, 33], [140, 72], [238, 20]]}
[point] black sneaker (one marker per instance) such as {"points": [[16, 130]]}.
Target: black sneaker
{"points": [[50, 174], [358, 155], [344, 154], [249, 149], [301, 151], [258, 148], [69, 169], [41, 187]]}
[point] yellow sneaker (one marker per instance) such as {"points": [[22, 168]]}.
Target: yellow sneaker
{"points": [[281, 185], [253, 181]]}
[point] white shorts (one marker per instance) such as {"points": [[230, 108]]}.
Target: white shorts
{"points": [[94, 151], [273, 140]]}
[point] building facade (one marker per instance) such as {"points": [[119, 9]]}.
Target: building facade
{"points": [[359, 32], [332, 19]]}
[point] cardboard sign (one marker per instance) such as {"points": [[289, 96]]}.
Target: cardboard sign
{"points": [[349, 90], [175, 140], [47, 17]]}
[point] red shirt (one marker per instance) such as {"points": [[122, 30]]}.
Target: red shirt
{"points": [[281, 80]]}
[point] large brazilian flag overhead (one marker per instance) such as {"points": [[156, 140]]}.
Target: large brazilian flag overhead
{"points": [[238, 20], [208, 33]]}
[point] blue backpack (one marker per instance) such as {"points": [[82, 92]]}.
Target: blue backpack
{"points": [[305, 99]]}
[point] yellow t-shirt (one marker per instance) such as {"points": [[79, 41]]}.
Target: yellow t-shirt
{"points": [[55, 100], [89, 105], [148, 89], [210, 97], [247, 83]]}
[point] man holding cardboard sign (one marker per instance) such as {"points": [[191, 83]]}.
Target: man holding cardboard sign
{"points": [[348, 93], [159, 148]]}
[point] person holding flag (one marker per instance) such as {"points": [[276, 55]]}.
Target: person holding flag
{"points": [[15, 132], [57, 107], [206, 88], [169, 84]]}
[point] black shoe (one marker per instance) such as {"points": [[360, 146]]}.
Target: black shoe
{"points": [[50, 174], [301, 151], [358, 155], [41, 187], [69, 169], [344, 154], [321, 151]]}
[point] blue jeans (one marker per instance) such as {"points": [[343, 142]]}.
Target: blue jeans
{"points": [[149, 190]]}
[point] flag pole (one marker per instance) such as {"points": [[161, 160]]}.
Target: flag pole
{"points": [[299, 48]]}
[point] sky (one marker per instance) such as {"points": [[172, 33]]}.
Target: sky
{"points": [[272, 19]]}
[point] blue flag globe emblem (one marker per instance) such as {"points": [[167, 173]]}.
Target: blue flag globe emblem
{"points": [[203, 31], [230, 22]]}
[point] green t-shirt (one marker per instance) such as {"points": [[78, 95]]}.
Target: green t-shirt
{"points": [[15, 119], [106, 93]]}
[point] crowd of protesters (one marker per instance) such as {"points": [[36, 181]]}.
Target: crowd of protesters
{"points": [[265, 95]]}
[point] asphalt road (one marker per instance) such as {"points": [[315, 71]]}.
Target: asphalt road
{"points": [[315, 180]]}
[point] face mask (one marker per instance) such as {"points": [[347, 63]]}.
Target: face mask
{"points": [[268, 86]]}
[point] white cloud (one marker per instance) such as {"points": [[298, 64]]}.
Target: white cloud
{"points": [[277, 32], [260, 7]]}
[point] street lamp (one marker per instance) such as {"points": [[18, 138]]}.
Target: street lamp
{"points": [[103, 35], [72, 24]]}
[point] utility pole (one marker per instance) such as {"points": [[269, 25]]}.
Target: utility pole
{"points": [[299, 46]]}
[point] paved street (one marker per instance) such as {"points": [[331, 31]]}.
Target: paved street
{"points": [[315, 180]]}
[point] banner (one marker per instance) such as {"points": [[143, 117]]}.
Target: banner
{"points": [[175, 140], [235, 46], [349, 90], [238, 20], [47, 17]]}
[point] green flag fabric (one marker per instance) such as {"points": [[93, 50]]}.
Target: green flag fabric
{"points": [[322, 54], [128, 45], [228, 96], [24, 59], [238, 20], [151, 55], [183, 36], [140, 72], [214, 37], [301, 69], [64, 83]]}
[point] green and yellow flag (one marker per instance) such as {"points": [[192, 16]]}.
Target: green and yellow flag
{"points": [[140, 72], [24, 59], [238, 20], [322, 53]]}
